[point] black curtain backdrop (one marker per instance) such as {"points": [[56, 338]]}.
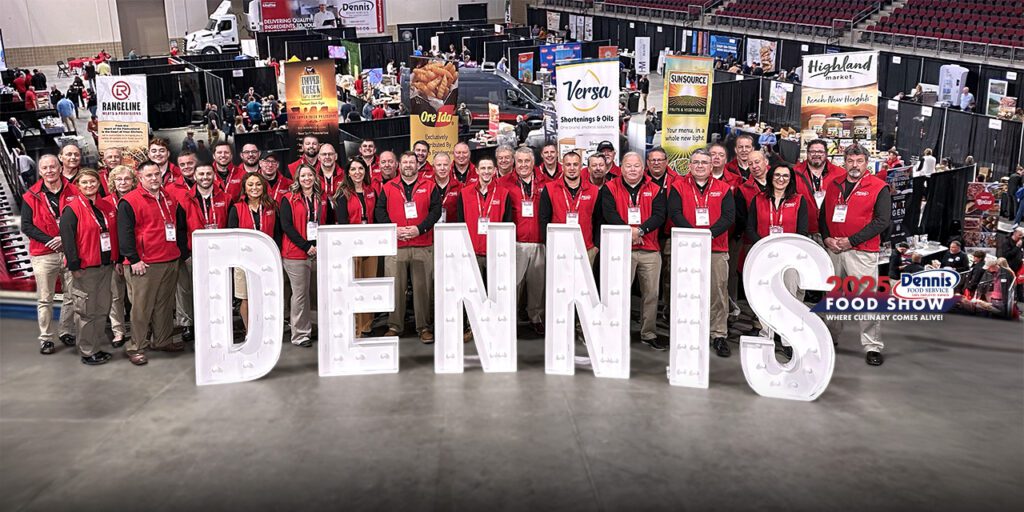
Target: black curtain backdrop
{"points": [[476, 44], [277, 44], [173, 98], [377, 55], [996, 144], [120, 66], [513, 58], [778, 115], [918, 131], [732, 99], [261, 79], [309, 48], [495, 50], [589, 49], [947, 196], [887, 122], [158, 69]]}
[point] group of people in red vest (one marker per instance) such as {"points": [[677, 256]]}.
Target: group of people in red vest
{"points": [[123, 233]]}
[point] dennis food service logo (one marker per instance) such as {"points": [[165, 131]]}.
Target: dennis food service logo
{"points": [[919, 296], [927, 284]]}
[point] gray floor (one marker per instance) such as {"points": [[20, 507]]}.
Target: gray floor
{"points": [[939, 426]]}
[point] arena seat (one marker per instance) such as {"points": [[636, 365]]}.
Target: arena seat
{"points": [[807, 12], [999, 22]]}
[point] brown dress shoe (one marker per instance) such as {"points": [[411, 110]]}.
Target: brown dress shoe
{"points": [[426, 337], [467, 336], [392, 332], [137, 358]]}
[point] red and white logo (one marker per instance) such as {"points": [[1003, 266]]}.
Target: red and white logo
{"points": [[121, 90]]}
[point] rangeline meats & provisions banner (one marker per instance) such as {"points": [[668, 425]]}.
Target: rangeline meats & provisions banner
{"points": [[588, 105], [433, 95], [686, 107], [367, 16], [122, 110], [312, 98], [839, 99]]}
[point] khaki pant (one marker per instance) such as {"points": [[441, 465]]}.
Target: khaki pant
{"points": [[47, 269], [646, 266], [183, 304], [301, 275], [118, 294], [734, 271], [530, 272], [719, 294], [417, 262], [365, 268], [152, 296], [92, 305], [859, 264]]}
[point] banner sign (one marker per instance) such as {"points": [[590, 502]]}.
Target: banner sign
{"points": [[122, 109], [433, 95], [554, 18], [643, 55], [761, 52], [901, 181], [981, 215], [588, 105], [607, 52], [723, 47], [312, 98], [492, 119], [554, 54], [367, 16], [525, 70], [588, 28], [686, 107], [839, 99]]}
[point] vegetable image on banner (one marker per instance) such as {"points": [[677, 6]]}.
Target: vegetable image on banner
{"points": [[123, 113], [433, 94], [839, 99], [312, 99], [525, 69], [687, 107], [588, 105]]}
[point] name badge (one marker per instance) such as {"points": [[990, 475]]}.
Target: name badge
{"points": [[211, 226], [481, 226], [839, 214], [169, 233], [572, 218], [311, 230], [819, 197], [410, 210], [775, 230], [703, 217], [527, 208], [633, 216], [104, 242]]}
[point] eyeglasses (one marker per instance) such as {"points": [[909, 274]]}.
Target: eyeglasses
{"points": [[816, 152], [781, 177]]}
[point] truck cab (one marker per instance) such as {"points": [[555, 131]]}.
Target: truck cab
{"points": [[220, 34]]}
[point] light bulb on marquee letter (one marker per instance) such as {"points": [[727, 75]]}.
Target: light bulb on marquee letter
{"points": [[570, 288], [690, 303], [214, 253], [806, 376], [340, 296], [491, 310]]}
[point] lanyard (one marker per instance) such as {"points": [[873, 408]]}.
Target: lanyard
{"points": [[843, 200], [579, 195], [775, 209], [633, 203], [95, 217], [160, 204], [703, 194], [53, 208], [360, 198], [312, 212], [522, 187], [257, 217], [209, 212], [482, 198]]}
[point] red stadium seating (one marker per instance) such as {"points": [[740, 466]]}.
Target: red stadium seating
{"points": [[998, 22], [820, 13]]}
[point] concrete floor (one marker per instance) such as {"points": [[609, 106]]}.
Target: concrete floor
{"points": [[939, 426]]}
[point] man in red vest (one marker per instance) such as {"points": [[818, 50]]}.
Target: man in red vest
{"points": [[181, 188], [413, 203], [41, 208], [719, 157], [277, 185], [855, 212], [571, 200], [596, 170], [812, 177], [462, 169], [227, 176], [331, 174], [152, 234], [160, 153], [449, 188], [702, 202], [504, 161], [250, 159], [633, 200], [550, 169], [422, 150], [607, 149], [739, 165], [310, 148], [481, 204], [368, 152], [388, 167], [524, 187], [112, 157]]}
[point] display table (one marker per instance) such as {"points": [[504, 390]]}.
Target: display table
{"points": [[926, 251]]}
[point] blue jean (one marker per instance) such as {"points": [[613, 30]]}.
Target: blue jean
{"points": [[1020, 212]]}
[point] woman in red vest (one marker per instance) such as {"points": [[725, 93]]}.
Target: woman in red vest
{"points": [[355, 200], [255, 211], [120, 181], [303, 210], [88, 229]]}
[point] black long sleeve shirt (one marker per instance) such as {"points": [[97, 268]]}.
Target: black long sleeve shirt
{"points": [[610, 214], [724, 222], [126, 233], [68, 229], [288, 228], [547, 212], [752, 220], [381, 216], [28, 225], [880, 220]]}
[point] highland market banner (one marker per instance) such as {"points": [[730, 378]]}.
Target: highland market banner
{"points": [[839, 99], [312, 98], [122, 109], [433, 95], [587, 105], [686, 107]]}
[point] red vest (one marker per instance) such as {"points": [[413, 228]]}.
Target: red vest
{"points": [[527, 228], [583, 205], [245, 221], [354, 207], [150, 217], [768, 215], [666, 187], [544, 174], [644, 199], [173, 173], [297, 202], [394, 192], [233, 185], [860, 209], [691, 198], [732, 179], [427, 171], [198, 218], [471, 177], [42, 216], [450, 199], [733, 166], [279, 189], [805, 186], [329, 188], [87, 238], [104, 180], [493, 209]]}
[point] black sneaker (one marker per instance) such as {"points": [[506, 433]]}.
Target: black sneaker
{"points": [[656, 344], [47, 348], [874, 358], [67, 339], [96, 359], [188, 335], [306, 344], [721, 347]]}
